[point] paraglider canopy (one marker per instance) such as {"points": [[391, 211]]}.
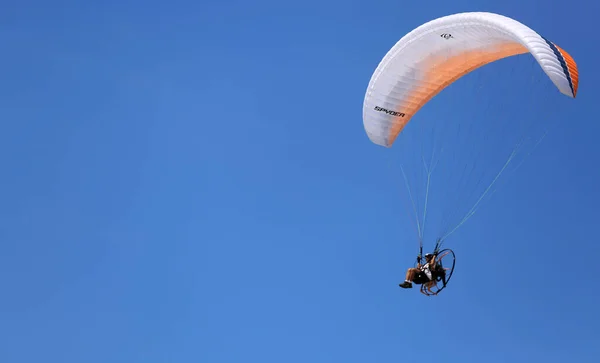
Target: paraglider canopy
{"points": [[437, 53]]}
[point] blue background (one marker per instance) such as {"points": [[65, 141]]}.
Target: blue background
{"points": [[190, 181]]}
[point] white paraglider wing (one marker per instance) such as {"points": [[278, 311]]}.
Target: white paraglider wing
{"points": [[434, 55]]}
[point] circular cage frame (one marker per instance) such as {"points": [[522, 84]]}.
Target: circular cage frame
{"points": [[432, 288]]}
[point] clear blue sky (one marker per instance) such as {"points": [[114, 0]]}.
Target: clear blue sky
{"points": [[190, 181]]}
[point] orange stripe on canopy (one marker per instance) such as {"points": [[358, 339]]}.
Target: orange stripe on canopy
{"points": [[442, 71], [572, 66]]}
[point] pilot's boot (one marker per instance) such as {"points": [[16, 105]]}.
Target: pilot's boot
{"points": [[406, 285]]}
